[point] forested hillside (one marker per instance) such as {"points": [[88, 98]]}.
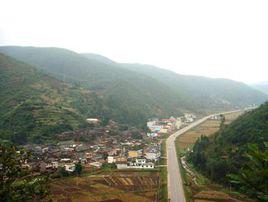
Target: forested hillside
{"points": [[34, 106], [132, 97], [158, 91], [237, 154], [93, 85], [201, 92]]}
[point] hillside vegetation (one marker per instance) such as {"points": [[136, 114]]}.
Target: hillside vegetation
{"points": [[160, 91], [238, 153], [54, 90], [201, 92], [131, 97], [33, 105]]}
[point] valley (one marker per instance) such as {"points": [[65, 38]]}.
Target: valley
{"points": [[106, 131], [133, 101]]}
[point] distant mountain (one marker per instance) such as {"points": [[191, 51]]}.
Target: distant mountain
{"points": [[98, 58], [34, 106], [227, 152], [202, 92], [263, 87], [130, 97], [135, 92]]}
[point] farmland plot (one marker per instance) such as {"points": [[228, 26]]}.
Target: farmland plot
{"points": [[130, 187]]}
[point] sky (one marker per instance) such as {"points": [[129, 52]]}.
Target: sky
{"points": [[219, 39]]}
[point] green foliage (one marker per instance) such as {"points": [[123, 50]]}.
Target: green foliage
{"points": [[16, 182], [253, 176], [200, 93], [129, 97], [228, 153], [63, 172], [131, 92], [78, 168], [108, 166], [198, 155], [35, 106], [136, 135]]}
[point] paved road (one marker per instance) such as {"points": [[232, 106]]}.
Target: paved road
{"points": [[175, 184]]}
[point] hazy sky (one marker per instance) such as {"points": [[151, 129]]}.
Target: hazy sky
{"points": [[227, 38]]}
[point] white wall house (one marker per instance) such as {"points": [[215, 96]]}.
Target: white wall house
{"points": [[111, 159], [69, 167], [153, 156], [138, 164]]}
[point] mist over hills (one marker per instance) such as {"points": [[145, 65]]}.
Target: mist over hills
{"points": [[203, 92], [262, 86], [127, 93], [101, 74]]}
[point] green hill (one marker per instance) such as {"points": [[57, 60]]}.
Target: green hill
{"points": [[127, 93], [65, 87], [34, 106], [201, 92], [133, 93], [238, 149], [157, 91], [44, 105]]}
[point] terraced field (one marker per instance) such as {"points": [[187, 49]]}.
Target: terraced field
{"points": [[207, 128], [129, 187]]}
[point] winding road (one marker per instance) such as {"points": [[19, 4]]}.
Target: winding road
{"points": [[175, 183]]}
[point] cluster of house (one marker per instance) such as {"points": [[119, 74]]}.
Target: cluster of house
{"points": [[160, 126], [189, 117], [164, 126], [121, 150], [137, 159], [65, 154], [216, 117]]}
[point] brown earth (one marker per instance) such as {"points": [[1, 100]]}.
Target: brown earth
{"points": [[130, 187], [207, 128]]}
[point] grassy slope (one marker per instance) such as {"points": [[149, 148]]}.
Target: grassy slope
{"points": [[131, 96], [36, 105], [138, 90]]}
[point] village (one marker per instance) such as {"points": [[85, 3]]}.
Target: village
{"points": [[107, 146]]}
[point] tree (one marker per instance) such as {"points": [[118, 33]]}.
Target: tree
{"points": [[253, 176], [78, 168], [136, 135], [63, 172], [16, 181]]}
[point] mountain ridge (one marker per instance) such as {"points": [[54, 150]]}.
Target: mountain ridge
{"points": [[34, 105], [178, 92]]}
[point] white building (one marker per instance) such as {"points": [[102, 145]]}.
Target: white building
{"points": [[55, 164], [111, 159], [179, 123], [93, 120], [140, 163], [69, 167]]}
